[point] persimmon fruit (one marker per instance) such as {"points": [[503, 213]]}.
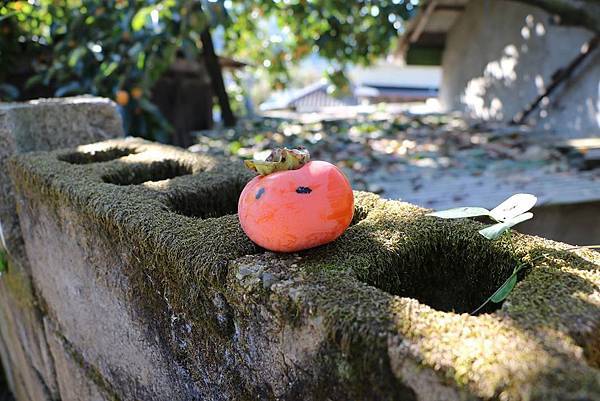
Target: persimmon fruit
{"points": [[122, 98], [295, 203]]}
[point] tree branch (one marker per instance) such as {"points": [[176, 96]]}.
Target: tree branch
{"points": [[216, 77]]}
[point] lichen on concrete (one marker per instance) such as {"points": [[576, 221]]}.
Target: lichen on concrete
{"points": [[377, 314]]}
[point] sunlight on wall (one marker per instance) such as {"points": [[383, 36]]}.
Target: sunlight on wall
{"points": [[501, 71], [499, 60]]}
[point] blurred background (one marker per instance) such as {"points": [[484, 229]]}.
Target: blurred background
{"points": [[443, 103]]}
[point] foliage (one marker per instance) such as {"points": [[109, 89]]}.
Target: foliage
{"points": [[111, 48], [118, 48], [278, 34], [507, 214]]}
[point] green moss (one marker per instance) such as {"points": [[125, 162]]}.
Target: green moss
{"points": [[395, 277], [398, 249], [18, 283], [3, 261]]}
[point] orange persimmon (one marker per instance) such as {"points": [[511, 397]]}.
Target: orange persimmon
{"points": [[295, 204], [122, 97]]}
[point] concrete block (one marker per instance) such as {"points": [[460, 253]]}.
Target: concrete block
{"points": [[77, 381], [47, 124], [27, 362], [43, 124], [141, 263]]}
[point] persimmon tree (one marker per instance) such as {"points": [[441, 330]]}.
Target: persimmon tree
{"points": [[119, 48]]}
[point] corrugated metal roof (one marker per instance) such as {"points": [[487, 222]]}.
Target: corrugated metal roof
{"points": [[308, 99], [319, 99]]}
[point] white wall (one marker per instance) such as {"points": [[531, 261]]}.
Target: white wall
{"points": [[500, 55]]}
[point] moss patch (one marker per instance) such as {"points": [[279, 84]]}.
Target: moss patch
{"points": [[445, 264], [18, 283]]}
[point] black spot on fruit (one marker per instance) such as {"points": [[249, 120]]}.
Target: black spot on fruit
{"points": [[260, 193], [303, 190]]}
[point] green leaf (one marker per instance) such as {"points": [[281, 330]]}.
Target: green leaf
{"points": [[514, 206], [3, 262], [34, 80], [496, 230], [76, 55], [108, 69], [460, 212], [502, 292], [149, 106], [234, 147], [139, 19], [5, 16]]}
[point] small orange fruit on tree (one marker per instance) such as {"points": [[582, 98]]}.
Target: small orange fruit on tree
{"points": [[122, 98], [137, 92]]}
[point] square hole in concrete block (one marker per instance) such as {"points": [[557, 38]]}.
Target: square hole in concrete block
{"points": [[446, 276], [97, 156], [211, 200], [139, 173], [447, 265]]}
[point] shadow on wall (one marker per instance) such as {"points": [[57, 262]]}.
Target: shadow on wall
{"points": [[5, 394], [501, 56]]}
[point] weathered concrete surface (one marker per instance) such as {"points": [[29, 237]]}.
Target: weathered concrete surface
{"points": [[155, 293], [73, 379], [500, 56], [25, 355], [47, 124], [92, 310], [36, 125]]}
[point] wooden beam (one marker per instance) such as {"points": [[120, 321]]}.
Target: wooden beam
{"points": [[449, 7], [424, 18]]}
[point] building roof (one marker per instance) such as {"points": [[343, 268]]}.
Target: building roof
{"points": [[310, 98], [382, 81], [429, 27]]}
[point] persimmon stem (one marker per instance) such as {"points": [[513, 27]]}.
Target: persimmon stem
{"points": [[280, 159]]}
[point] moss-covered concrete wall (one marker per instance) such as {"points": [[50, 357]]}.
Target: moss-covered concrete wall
{"points": [[47, 124], [43, 124], [154, 292]]}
